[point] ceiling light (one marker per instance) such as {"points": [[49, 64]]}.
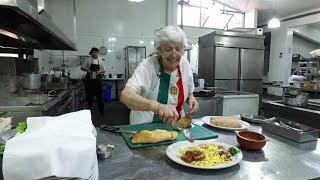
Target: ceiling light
{"points": [[141, 42], [152, 42], [11, 34], [136, 1], [8, 55], [112, 39], [274, 23]]}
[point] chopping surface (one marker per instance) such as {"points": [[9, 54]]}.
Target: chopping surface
{"points": [[198, 132]]}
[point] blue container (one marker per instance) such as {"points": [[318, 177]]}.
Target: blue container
{"points": [[106, 92]]}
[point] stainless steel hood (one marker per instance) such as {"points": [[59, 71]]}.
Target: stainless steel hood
{"points": [[20, 17]]}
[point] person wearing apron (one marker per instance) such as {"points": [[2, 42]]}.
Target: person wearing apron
{"points": [[162, 83], [93, 84]]}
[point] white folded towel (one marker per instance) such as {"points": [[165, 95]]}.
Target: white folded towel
{"points": [[62, 146]]}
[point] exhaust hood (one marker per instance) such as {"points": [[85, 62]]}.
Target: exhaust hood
{"points": [[21, 19]]}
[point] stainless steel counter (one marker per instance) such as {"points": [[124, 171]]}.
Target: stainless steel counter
{"points": [[279, 159], [22, 107]]}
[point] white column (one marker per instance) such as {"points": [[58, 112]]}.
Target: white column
{"points": [[171, 14], [251, 19]]}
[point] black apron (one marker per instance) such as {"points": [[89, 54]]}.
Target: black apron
{"points": [[94, 88], [94, 85]]}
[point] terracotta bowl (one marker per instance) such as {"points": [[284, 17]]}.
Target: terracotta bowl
{"points": [[251, 140]]}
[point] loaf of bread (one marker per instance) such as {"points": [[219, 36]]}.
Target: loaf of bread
{"points": [[155, 136], [225, 122]]}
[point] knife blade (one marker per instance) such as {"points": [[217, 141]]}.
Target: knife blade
{"points": [[117, 129], [126, 131], [183, 124]]}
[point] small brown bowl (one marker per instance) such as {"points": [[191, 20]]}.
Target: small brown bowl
{"points": [[251, 140]]}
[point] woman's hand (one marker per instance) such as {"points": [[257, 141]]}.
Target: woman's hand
{"points": [[193, 104], [100, 72], [167, 113]]}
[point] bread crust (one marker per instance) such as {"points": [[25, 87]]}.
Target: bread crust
{"points": [[155, 136]]}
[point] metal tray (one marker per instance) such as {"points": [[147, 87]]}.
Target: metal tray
{"points": [[252, 118], [291, 130]]}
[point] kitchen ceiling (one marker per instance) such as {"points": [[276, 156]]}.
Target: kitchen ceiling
{"points": [[265, 7], [315, 26]]}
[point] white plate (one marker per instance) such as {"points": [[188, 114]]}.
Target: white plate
{"points": [[173, 153], [244, 125]]}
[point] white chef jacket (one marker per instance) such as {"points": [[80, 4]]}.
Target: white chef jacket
{"points": [[146, 80]]}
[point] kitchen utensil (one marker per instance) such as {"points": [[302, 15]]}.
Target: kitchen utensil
{"points": [[174, 150], [104, 151], [117, 129], [251, 140], [93, 75], [252, 118], [183, 124], [31, 81], [187, 134], [290, 127]]}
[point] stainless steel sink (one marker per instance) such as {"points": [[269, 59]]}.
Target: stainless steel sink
{"points": [[24, 100]]}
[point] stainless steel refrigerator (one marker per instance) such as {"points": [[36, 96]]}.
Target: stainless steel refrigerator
{"points": [[232, 60], [133, 56]]}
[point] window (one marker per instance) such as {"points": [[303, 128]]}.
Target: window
{"points": [[209, 14]]}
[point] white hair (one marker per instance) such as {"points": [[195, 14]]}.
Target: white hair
{"points": [[170, 33]]}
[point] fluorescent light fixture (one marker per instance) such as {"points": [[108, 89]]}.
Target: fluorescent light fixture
{"points": [[152, 42], [8, 55], [274, 23], [40, 5], [136, 1], [112, 39], [141, 42], [12, 35]]}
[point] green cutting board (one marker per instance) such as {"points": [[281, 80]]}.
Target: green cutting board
{"points": [[197, 131]]}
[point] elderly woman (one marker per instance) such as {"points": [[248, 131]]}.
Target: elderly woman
{"points": [[162, 83]]}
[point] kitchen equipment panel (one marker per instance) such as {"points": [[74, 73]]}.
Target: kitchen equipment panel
{"points": [[227, 62]]}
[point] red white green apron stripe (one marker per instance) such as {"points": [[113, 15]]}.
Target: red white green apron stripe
{"points": [[163, 91], [180, 92]]}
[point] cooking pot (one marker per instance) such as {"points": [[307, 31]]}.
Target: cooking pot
{"points": [[292, 91], [31, 81], [296, 100]]}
